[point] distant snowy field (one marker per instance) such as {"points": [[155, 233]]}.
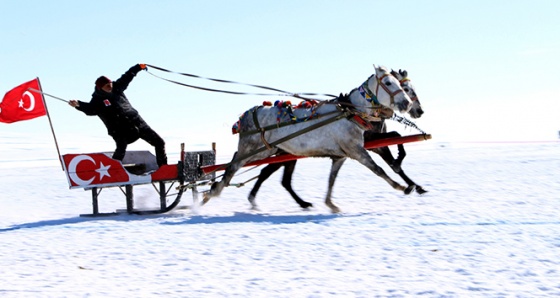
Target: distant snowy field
{"points": [[488, 227]]}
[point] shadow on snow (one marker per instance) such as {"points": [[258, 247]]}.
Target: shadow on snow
{"points": [[190, 219], [240, 217]]}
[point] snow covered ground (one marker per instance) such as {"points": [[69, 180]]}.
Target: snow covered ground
{"points": [[488, 227]]}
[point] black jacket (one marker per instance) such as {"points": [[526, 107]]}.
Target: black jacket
{"points": [[114, 109]]}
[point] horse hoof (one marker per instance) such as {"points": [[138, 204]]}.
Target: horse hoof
{"points": [[420, 190], [205, 200], [334, 209], [409, 189], [305, 205]]}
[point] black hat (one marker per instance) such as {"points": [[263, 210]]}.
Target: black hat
{"points": [[101, 81]]}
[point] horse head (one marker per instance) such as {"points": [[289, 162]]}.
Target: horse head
{"points": [[388, 91], [416, 109]]}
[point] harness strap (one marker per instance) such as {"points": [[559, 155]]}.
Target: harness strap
{"points": [[379, 84], [361, 119], [290, 136], [342, 113], [392, 94], [277, 125], [259, 128]]}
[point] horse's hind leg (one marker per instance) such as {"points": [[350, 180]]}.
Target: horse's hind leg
{"points": [[265, 174], [217, 187], [234, 166], [289, 168], [335, 168]]}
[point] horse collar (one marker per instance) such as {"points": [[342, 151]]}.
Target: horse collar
{"points": [[366, 93]]}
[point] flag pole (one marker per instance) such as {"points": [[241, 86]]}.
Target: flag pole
{"points": [[50, 122], [45, 93]]}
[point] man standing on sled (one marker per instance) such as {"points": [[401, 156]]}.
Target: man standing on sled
{"points": [[123, 122]]}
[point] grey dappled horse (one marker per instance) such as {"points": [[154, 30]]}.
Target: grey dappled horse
{"points": [[379, 131], [333, 134]]}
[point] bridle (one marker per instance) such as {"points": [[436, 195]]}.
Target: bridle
{"points": [[404, 80], [372, 97], [391, 94]]}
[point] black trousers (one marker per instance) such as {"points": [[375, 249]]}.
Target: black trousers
{"points": [[145, 133]]}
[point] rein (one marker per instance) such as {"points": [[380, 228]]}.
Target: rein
{"points": [[282, 92]]}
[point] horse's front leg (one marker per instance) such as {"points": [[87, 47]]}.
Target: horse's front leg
{"points": [[363, 157], [385, 153], [387, 156], [397, 163], [335, 168]]}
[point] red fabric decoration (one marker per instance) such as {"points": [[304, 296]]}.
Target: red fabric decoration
{"points": [[22, 103]]}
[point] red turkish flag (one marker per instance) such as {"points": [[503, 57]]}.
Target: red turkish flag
{"points": [[22, 103]]}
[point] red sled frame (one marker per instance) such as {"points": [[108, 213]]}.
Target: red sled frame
{"points": [[95, 171]]}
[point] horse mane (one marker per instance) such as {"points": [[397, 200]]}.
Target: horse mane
{"points": [[344, 98]]}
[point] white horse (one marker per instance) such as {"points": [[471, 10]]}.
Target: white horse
{"points": [[378, 131], [333, 133]]}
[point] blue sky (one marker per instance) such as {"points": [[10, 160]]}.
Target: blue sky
{"points": [[484, 70]]}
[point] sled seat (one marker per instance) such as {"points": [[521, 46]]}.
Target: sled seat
{"points": [[139, 162]]}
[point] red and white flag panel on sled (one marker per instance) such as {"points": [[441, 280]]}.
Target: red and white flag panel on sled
{"points": [[23, 103], [89, 170], [98, 169]]}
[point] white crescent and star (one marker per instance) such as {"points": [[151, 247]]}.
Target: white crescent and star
{"points": [[103, 170], [31, 101]]}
